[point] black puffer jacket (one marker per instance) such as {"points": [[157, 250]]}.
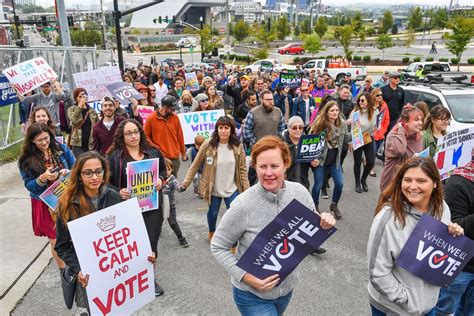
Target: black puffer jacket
{"points": [[297, 172]]}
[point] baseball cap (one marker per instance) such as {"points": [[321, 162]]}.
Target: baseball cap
{"points": [[348, 74], [170, 102], [245, 77], [393, 74]]}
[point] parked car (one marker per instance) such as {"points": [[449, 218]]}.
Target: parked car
{"points": [[186, 42], [291, 49], [338, 73], [214, 62], [277, 65], [172, 62], [190, 67], [457, 98], [428, 67]]}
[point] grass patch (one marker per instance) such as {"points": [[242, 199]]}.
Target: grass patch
{"points": [[11, 153]]}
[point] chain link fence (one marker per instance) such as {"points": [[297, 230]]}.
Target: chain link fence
{"points": [[65, 61]]}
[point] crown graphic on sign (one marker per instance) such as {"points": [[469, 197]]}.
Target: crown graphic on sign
{"points": [[107, 223]]}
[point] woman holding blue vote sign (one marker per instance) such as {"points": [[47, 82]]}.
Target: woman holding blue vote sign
{"points": [[250, 212], [225, 173], [415, 190], [330, 120], [130, 144], [41, 163], [435, 126]]}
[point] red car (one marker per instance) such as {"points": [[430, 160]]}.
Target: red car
{"points": [[291, 49]]}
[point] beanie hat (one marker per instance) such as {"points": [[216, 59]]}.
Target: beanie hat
{"points": [[77, 91], [201, 97], [295, 119]]}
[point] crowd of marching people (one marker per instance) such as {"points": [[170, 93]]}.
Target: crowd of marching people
{"points": [[249, 161]]}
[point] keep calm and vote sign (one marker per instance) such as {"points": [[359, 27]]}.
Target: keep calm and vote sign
{"points": [[112, 246], [434, 255], [285, 242]]}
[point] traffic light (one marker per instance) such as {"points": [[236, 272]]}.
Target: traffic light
{"points": [[70, 20], [166, 19], [160, 20], [44, 20], [269, 25], [174, 19]]}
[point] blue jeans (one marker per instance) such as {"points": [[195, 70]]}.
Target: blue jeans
{"points": [[251, 305], [458, 298], [214, 209], [338, 177], [376, 312]]}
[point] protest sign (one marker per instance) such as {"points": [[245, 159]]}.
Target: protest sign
{"points": [[112, 246], [144, 111], [433, 255], [51, 195], [199, 123], [266, 66], [96, 81], [378, 119], [96, 105], [142, 177], [311, 147], [356, 132], [123, 91], [280, 247], [291, 78], [30, 74], [454, 150], [192, 83], [59, 139], [7, 94]]}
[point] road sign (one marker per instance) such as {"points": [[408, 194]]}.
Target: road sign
{"points": [[49, 29]]}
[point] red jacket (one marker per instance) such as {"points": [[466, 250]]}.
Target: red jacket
{"points": [[166, 135], [380, 133]]}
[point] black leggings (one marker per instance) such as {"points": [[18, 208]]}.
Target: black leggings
{"points": [[153, 223], [369, 153]]}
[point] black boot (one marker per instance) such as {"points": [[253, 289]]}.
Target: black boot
{"points": [[337, 214], [363, 182], [358, 187]]}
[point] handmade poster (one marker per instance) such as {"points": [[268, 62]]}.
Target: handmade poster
{"points": [[96, 81], [454, 150], [59, 139], [198, 123], [123, 91], [356, 132], [96, 105], [434, 255], [311, 147], [378, 119], [51, 195], [145, 111], [7, 94], [112, 246], [142, 177], [318, 95], [290, 78], [266, 66], [30, 75], [284, 242], [192, 83]]}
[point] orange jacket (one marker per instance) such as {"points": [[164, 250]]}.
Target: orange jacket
{"points": [[382, 131], [166, 135]]}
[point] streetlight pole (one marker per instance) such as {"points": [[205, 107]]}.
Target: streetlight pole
{"points": [[201, 19], [104, 40]]}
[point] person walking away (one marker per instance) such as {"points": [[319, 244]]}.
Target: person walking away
{"points": [[381, 130]]}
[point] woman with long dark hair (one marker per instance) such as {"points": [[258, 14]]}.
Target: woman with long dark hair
{"points": [[130, 145], [435, 126], [41, 115], [41, 163], [415, 190], [225, 173]]}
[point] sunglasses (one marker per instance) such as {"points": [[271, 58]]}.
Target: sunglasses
{"points": [[379, 95], [295, 128], [304, 90], [205, 100]]}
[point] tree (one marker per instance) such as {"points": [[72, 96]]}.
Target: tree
{"points": [[415, 18], [305, 26], [87, 38], [394, 29], [384, 41], [208, 41], [296, 31], [282, 27], [387, 21], [362, 35], [241, 30], [357, 22], [20, 31], [410, 38], [321, 27], [462, 33], [343, 34], [440, 18], [312, 44]]}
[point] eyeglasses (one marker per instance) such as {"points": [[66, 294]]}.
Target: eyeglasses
{"points": [[396, 77], [304, 90], [129, 134], [88, 173], [42, 140], [362, 100], [205, 100], [152, 90], [295, 128], [379, 95]]}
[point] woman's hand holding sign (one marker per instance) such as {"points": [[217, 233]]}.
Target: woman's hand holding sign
{"points": [[455, 230], [83, 279], [264, 285], [125, 194], [327, 220]]}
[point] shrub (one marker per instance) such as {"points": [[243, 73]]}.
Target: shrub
{"points": [[443, 59], [406, 59], [329, 57], [455, 60], [366, 58], [357, 58], [377, 60], [470, 61], [429, 59], [417, 59], [296, 59]]}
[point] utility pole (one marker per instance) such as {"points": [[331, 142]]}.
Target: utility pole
{"points": [[104, 39], [16, 20], [227, 21], [65, 40], [311, 21]]}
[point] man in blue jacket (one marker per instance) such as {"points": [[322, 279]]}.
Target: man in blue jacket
{"points": [[304, 105]]}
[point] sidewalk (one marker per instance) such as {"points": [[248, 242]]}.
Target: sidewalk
{"points": [[22, 255]]}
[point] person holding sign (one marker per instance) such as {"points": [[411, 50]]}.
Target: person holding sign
{"points": [[225, 173], [383, 119], [41, 163], [130, 144], [248, 215], [330, 120], [367, 119], [435, 126], [415, 190]]}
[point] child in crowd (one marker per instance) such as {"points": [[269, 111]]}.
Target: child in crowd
{"points": [[198, 140], [170, 185]]}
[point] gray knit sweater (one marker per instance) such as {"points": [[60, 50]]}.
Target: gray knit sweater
{"points": [[249, 213]]}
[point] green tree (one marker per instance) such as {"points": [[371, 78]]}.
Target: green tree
{"points": [[282, 27], [136, 32], [387, 21], [305, 26], [241, 30], [394, 29], [357, 22], [208, 41], [415, 18], [87, 38], [384, 41], [20, 31], [30, 8], [296, 31], [440, 18], [344, 35], [409, 38], [312, 44], [321, 27], [462, 33], [362, 35]]}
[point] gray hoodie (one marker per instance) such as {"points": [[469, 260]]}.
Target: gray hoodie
{"points": [[248, 214], [392, 289]]}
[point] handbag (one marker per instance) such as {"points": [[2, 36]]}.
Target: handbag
{"points": [[74, 129], [367, 138], [68, 285]]}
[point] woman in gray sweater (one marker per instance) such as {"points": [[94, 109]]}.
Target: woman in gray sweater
{"points": [[249, 213], [415, 190]]}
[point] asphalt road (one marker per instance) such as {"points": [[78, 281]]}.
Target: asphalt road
{"points": [[195, 284]]}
